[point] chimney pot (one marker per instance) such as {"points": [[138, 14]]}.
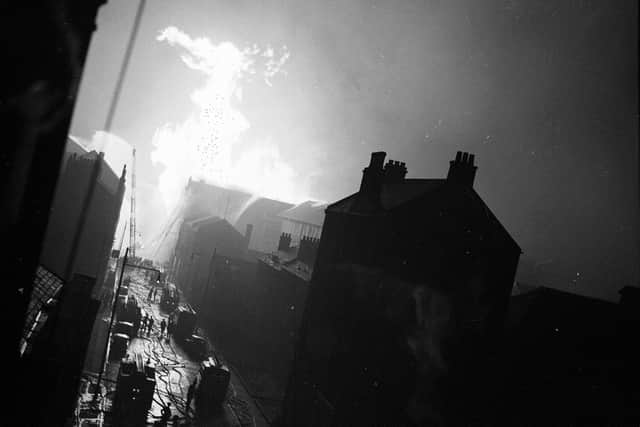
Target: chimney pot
{"points": [[462, 170], [377, 159], [372, 178]]}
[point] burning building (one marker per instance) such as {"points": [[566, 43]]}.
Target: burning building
{"points": [[410, 275], [239, 208]]}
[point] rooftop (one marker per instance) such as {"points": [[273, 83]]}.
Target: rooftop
{"points": [[309, 212]]}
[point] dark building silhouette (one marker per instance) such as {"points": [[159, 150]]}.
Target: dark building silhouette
{"points": [[202, 245], [303, 220], [94, 248], [54, 345], [409, 292], [37, 106], [239, 209], [566, 359], [263, 215]]}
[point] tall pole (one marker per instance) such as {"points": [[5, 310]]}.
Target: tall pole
{"points": [[114, 105], [132, 218], [206, 288], [113, 312]]}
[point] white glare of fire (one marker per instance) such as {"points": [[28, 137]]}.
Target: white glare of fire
{"points": [[202, 146]]}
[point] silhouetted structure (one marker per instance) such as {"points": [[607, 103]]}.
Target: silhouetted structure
{"points": [[94, 248], [303, 220], [37, 105], [134, 391], [565, 359], [412, 281], [263, 215], [197, 242], [239, 209], [55, 342]]}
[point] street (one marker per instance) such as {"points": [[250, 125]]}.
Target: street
{"points": [[175, 370]]}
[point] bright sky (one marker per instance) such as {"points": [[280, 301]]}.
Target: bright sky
{"points": [[288, 98]]}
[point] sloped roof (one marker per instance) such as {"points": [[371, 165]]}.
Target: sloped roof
{"points": [[262, 206], [391, 195], [198, 222], [564, 310], [520, 288], [309, 212]]}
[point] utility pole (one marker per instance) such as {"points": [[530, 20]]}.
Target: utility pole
{"points": [[112, 111], [192, 269], [208, 284], [132, 217], [113, 312]]}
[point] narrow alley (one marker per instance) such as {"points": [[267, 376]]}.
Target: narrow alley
{"points": [[175, 370]]}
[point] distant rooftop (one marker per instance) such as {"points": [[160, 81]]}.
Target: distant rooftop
{"points": [[309, 212], [393, 195]]}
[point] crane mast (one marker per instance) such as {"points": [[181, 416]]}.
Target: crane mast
{"points": [[132, 219]]}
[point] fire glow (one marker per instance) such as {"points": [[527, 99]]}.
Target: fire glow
{"points": [[202, 146]]}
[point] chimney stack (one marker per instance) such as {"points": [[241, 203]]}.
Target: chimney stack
{"points": [[247, 233], [285, 242], [394, 172], [462, 171], [308, 250], [372, 176]]}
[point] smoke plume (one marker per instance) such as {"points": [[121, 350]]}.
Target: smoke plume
{"points": [[205, 145]]}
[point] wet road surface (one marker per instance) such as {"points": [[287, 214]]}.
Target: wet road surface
{"points": [[175, 370]]}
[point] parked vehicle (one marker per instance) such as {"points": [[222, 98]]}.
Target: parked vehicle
{"points": [[196, 346], [125, 328], [213, 384], [119, 344], [184, 321], [170, 298], [135, 387], [131, 312]]}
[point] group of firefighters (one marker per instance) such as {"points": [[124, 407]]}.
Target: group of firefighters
{"points": [[146, 324]]}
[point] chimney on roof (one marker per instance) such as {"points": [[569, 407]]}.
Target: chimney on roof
{"points": [[462, 170], [394, 172], [247, 233], [308, 250], [285, 242], [372, 176]]}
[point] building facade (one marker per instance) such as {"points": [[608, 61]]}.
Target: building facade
{"points": [[96, 238], [410, 276]]}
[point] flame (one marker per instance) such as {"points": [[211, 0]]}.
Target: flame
{"points": [[202, 146]]}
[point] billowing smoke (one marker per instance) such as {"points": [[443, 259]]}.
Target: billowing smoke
{"points": [[203, 146]]}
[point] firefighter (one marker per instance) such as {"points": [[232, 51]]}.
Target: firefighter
{"points": [[190, 391], [170, 327], [163, 325], [166, 414], [150, 325]]}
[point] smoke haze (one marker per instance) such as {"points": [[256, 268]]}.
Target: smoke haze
{"points": [[544, 93]]}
